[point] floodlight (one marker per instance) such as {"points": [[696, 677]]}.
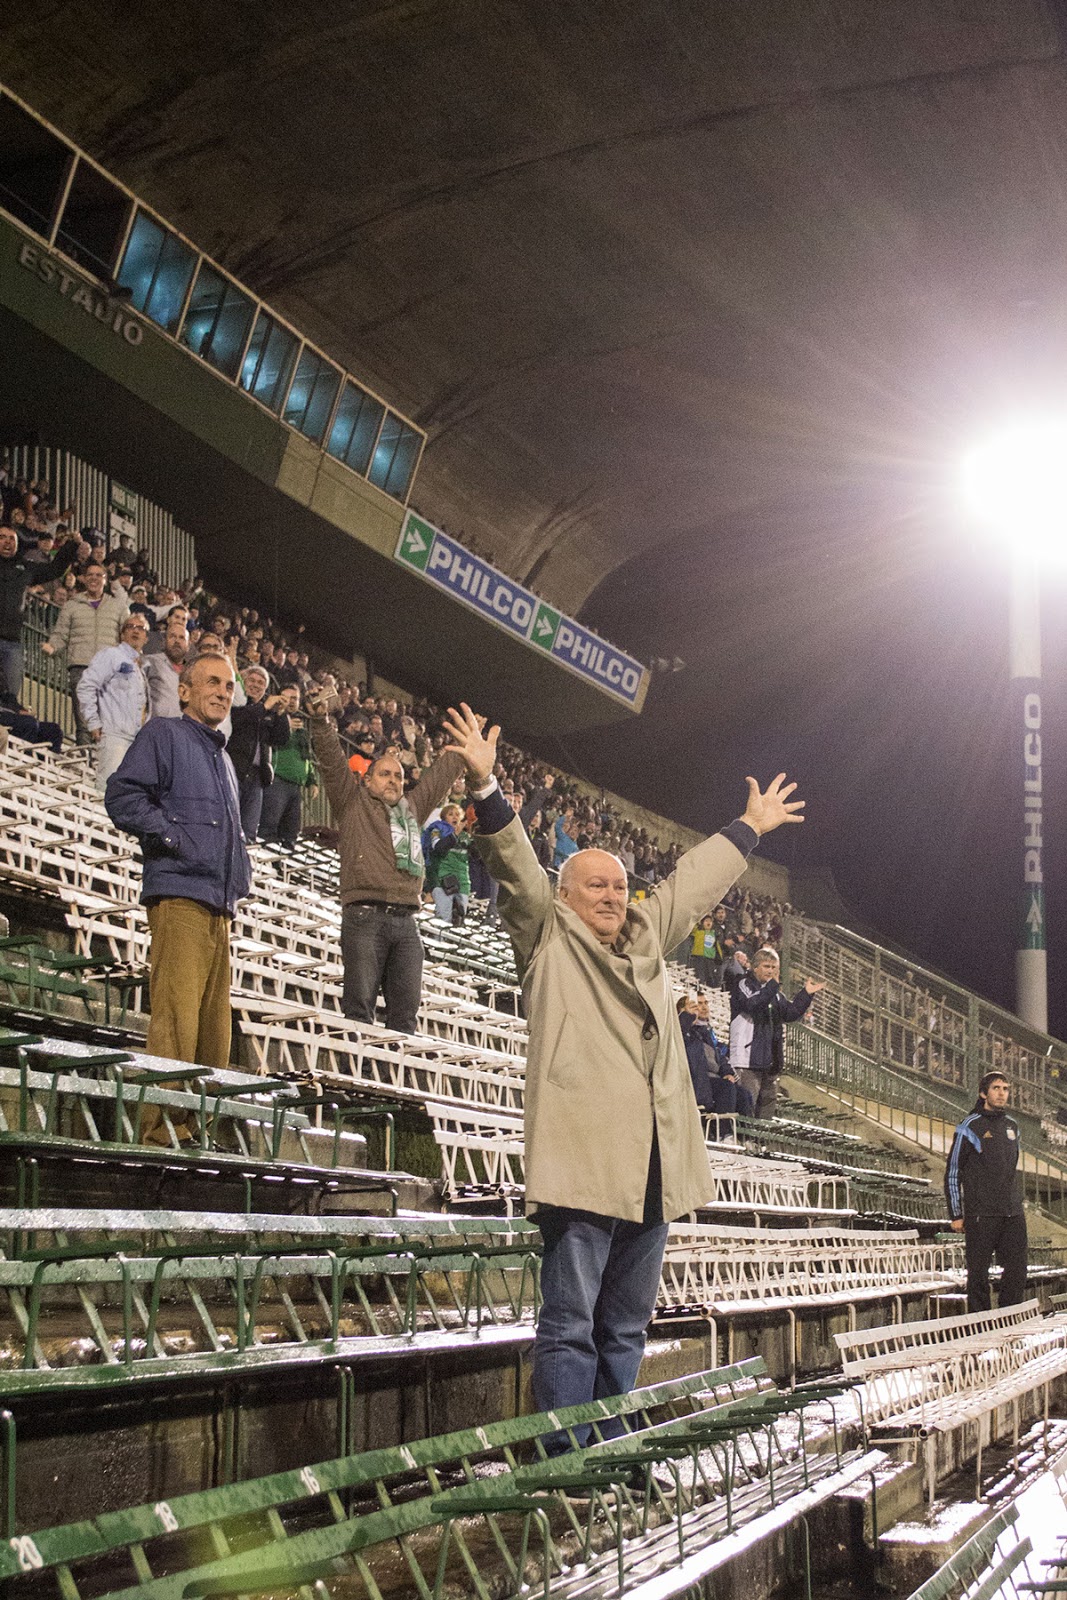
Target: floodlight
{"points": [[1016, 481]]}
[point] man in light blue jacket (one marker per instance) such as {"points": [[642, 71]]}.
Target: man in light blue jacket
{"points": [[112, 697]]}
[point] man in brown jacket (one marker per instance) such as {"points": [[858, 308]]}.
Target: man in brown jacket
{"points": [[381, 870], [614, 1146]]}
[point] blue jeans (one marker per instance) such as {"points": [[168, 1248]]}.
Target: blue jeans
{"points": [[444, 903], [599, 1278], [381, 950], [11, 667]]}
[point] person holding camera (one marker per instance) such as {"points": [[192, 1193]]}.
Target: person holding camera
{"points": [[294, 773]]}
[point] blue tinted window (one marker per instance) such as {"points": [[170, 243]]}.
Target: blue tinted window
{"points": [[217, 320], [156, 268], [395, 457], [312, 395], [355, 428], [268, 362]]}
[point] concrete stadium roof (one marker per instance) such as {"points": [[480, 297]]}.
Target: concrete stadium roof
{"points": [[651, 276], [699, 302]]}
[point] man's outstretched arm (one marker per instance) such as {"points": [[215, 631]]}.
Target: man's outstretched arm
{"points": [[704, 873], [525, 893]]}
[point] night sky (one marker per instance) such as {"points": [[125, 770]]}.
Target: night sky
{"points": [[874, 669]]}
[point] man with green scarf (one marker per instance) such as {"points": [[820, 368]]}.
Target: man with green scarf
{"points": [[381, 870]]}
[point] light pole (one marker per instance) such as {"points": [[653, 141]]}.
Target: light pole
{"points": [[1024, 648], [1017, 483]]}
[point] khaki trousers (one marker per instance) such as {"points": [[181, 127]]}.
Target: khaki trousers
{"points": [[189, 993]]}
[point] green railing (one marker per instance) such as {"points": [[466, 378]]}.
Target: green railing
{"points": [[46, 686], [915, 1021], [922, 1114], [483, 1511]]}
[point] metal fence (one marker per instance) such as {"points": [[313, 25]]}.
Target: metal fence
{"points": [[902, 1016], [924, 1114], [95, 497], [46, 686]]}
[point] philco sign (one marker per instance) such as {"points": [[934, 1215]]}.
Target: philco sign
{"points": [[78, 293], [1033, 875]]}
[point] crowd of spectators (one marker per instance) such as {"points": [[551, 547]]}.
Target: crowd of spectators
{"points": [[275, 670]]}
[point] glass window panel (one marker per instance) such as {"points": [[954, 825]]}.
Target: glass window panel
{"points": [[312, 395], [156, 268], [33, 168], [403, 466], [395, 457], [269, 361], [93, 221], [355, 428], [140, 259], [217, 320]]}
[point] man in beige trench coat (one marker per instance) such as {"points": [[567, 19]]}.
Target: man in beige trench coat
{"points": [[614, 1146]]}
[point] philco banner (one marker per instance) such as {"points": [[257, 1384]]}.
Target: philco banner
{"points": [[507, 604]]}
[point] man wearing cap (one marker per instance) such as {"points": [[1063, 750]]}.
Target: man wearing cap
{"points": [[985, 1198], [362, 757]]}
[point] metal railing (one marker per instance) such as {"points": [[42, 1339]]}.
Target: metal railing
{"points": [[903, 1016], [46, 685], [924, 1115]]}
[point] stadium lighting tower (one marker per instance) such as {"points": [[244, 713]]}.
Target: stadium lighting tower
{"points": [[1016, 483]]}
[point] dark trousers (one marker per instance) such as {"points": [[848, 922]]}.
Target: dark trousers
{"points": [[1004, 1238], [11, 667], [762, 1089], [81, 732], [381, 951], [250, 797], [34, 732], [281, 812]]}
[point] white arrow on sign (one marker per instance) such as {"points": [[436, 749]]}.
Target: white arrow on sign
{"points": [[544, 627], [1033, 917], [414, 544]]}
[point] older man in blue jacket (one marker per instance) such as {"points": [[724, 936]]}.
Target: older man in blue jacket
{"points": [[176, 792]]}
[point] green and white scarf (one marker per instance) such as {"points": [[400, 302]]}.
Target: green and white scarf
{"points": [[407, 844]]}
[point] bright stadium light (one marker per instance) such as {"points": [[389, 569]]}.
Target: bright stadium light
{"points": [[1016, 482]]}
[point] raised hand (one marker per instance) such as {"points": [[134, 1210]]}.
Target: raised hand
{"points": [[316, 703], [768, 810], [813, 986], [477, 749]]}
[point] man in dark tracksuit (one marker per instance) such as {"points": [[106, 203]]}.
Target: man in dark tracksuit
{"points": [[984, 1195]]}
